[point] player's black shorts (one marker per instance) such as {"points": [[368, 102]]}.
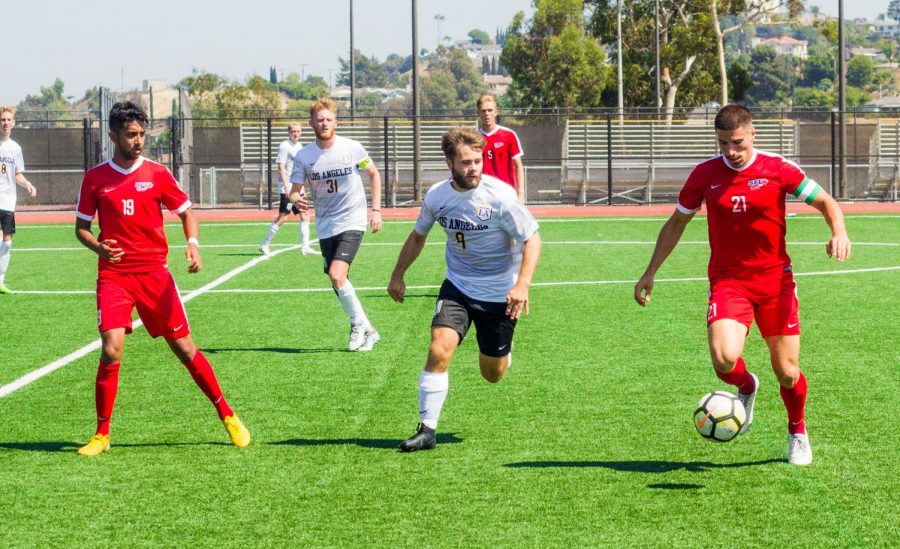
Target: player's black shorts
{"points": [[493, 328], [342, 246], [8, 222], [285, 206]]}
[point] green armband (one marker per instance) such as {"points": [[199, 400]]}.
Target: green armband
{"points": [[807, 190]]}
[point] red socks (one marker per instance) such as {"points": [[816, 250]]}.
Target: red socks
{"points": [[202, 372], [105, 389], [795, 403], [739, 377]]}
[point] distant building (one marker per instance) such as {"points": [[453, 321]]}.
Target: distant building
{"points": [[887, 28], [497, 83], [784, 45], [872, 53]]}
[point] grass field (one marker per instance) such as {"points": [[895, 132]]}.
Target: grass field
{"points": [[586, 442]]}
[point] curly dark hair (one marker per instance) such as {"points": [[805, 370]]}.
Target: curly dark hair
{"points": [[124, 112]]}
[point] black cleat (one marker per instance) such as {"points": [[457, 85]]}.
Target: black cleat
{"points": [[424, 439]]}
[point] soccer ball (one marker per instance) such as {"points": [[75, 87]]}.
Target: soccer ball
{"points": [[719, 416]]}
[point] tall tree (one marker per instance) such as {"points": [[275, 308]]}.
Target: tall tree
{"points": [[747, 12], [685, 55], [893, 10], [478, 36], [860, 70], [552, 61], [770, 88], [369, 72], [452, 82]]}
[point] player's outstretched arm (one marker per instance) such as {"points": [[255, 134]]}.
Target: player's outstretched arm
{"points": [[375, 220], [517, 298], [408, 254], [668, 238], [25, 184], [106, 249], [297, 197], [838, 246], [191, 228]]}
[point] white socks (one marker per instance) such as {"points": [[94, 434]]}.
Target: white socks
{"points": [[350, 303], [4, 258], [273, 228], [433, 389], [304, 234]]}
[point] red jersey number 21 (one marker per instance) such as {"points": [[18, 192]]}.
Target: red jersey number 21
{"points": [[739, 203]]}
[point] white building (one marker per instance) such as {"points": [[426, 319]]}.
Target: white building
{"points": [[784, 45], [887, 28]]}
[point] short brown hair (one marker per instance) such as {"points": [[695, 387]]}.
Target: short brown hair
{"points": [[486, 98], [731, 117], [326, 103], [10, 110], [461, 136]]}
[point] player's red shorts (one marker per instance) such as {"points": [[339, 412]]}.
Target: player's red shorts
{"points": [[155, 296], [775, 306]]}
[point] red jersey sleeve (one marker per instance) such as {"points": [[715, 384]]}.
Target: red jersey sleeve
{"points": [[791, 176], [515, 148], [87, 202], [172, 197], [691, 196]]}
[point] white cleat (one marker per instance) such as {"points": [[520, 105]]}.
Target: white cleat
{"points": [[749, 401], [306, 250], [357, 336], [372, 338], [799, 450], [264, 249]]}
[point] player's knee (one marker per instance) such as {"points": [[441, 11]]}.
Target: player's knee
{"points": [[723, 361], [788, 376], [492, 368], [111, 352]]}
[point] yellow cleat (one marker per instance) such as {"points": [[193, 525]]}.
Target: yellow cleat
{"points": [[239, 434], [96, 446], [5, 290]]}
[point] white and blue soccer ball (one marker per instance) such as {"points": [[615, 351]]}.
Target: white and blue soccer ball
{"points": [[719, 416]]}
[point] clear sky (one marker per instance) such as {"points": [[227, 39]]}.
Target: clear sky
{"points": [[101, 43]]}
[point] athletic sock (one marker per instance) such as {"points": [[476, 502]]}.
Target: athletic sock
{"points": [[105, 389], [347, 296], [270, 234], [202, 372], [794, 399], [4, 258], [304, 234], [433, 389], [739, 377]]}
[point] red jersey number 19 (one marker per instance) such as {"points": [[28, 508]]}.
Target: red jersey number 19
{"points": [[128, 206]]}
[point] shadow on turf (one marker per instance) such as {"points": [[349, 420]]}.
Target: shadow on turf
{"points": [[645, 466], [285, 350], [47, 446], [53, 446], [675, 486], [380, 443]]}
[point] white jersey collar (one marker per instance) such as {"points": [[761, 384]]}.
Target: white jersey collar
{"points": [[122, 170], [745, 166]]}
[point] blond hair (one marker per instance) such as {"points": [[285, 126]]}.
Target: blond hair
{"points": [[10, 110], [294, 124], [322, 103], [486, 98]]}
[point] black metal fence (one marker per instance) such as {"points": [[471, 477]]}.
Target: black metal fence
{"points": [[571, 157]]}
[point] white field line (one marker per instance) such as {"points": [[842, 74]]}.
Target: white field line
{"points": [[438, 243], [71, 357], [208, 288]]}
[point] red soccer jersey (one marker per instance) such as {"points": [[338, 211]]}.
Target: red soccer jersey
{"points": [[501, 148], [128, 204], [745, 213]]}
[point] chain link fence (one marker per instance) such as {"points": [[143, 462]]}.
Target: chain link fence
{"points": [[570, 157]]}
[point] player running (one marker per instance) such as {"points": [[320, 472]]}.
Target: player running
{"points": [[332, 165], [287, 150], [12, 165], [492, 252], [750, 273], [127, 194]]}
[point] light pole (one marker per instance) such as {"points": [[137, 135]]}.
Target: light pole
{"points": [[656, 27], [417, 168], [352, 67], [842, 106], [621, 102]]}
